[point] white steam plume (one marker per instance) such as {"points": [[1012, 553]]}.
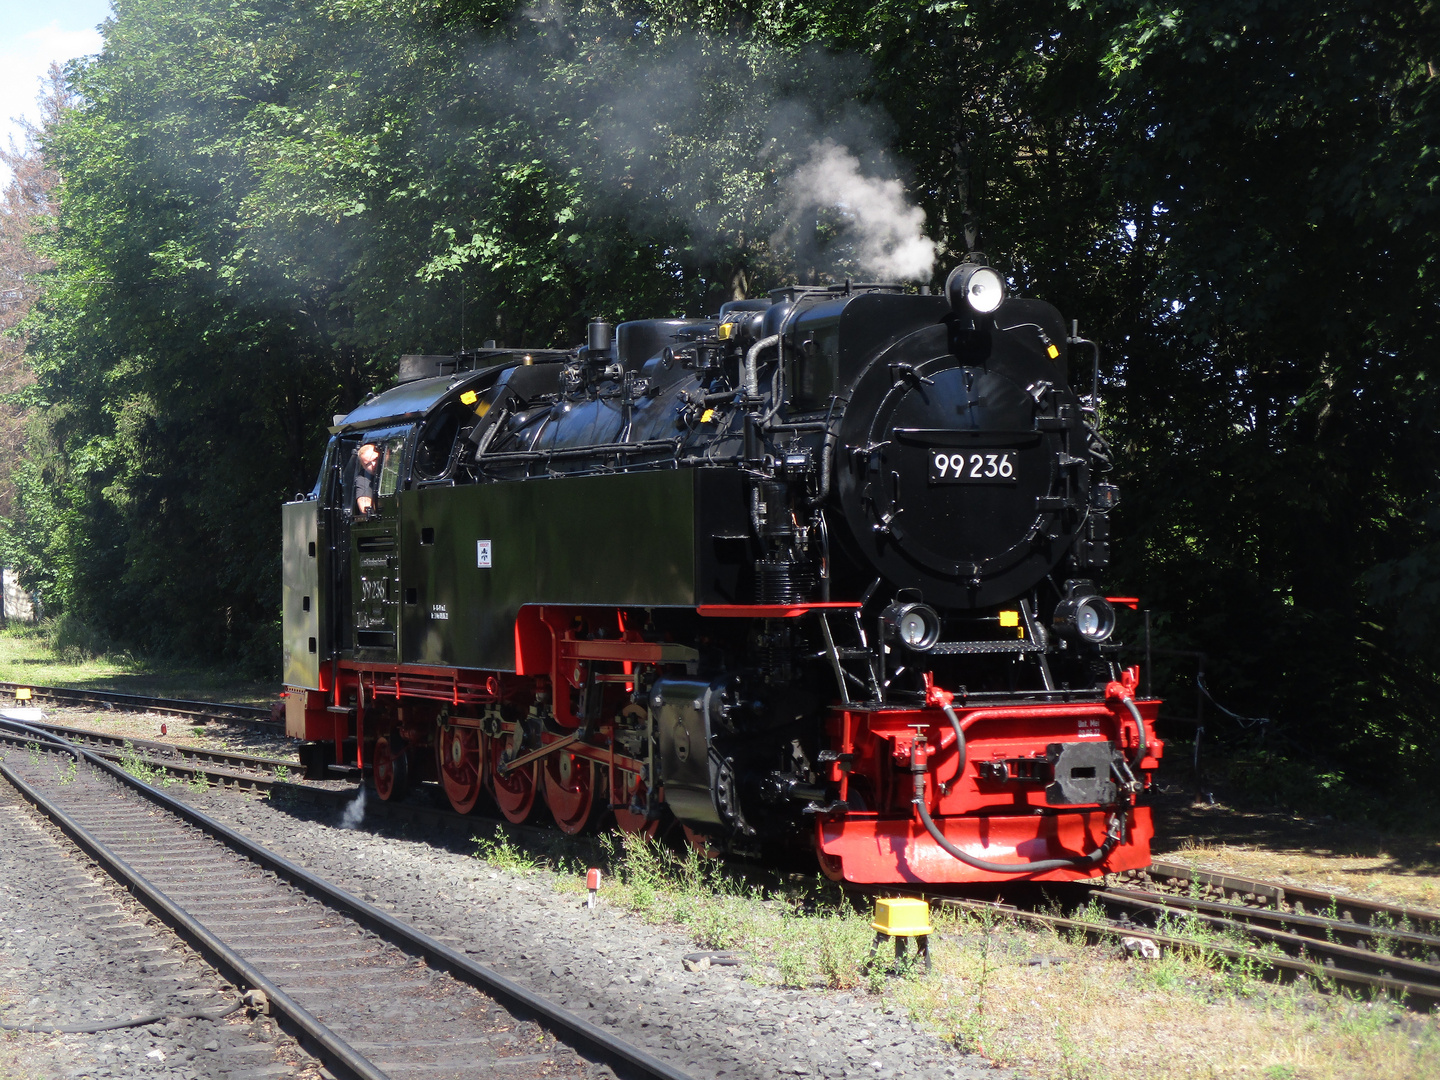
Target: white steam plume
{"points": [[888, 229], [354, 813]]}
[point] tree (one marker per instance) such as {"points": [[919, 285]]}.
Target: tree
{"points": [[264, 205], [27, 205]]}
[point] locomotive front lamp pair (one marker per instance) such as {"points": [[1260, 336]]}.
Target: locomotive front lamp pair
{"points": [[1080, 615]]}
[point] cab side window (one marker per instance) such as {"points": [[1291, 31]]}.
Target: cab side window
{"points": [[372, 471], [390, 453]]}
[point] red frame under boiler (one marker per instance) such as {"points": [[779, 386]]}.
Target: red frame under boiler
{"points": [[880, 839]]}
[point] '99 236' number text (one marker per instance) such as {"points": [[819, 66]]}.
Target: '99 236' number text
{"points": [[972, 467]]}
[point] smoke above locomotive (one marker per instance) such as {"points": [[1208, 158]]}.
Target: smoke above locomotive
{"points": [[887, 229], [822, 570]]}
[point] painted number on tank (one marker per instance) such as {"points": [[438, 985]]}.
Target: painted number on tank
{"points": [[972, 467]]}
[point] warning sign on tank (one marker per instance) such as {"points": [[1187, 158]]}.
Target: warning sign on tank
{"points": [[482, 554]]}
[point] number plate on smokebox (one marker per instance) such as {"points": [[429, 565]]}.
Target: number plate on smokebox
{"points": [[973, 467]]}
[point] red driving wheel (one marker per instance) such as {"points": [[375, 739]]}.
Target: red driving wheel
{"points": [[627, 820], [514, 791], [572, 787], [391, 767], [458, 753]]}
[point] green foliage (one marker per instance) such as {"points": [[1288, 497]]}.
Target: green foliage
{"points": [[803, 941], [503, 853], [264, 204], [67, 772], [140, 767]]}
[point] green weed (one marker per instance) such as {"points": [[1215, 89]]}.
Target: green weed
{"points": [[282, 774], [1385, 943], [140, 767], [67, 772], [502, 853], [135, 763], [795, 937]]}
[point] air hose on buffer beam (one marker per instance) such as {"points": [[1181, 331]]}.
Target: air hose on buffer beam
{"points": [[935, 696]]}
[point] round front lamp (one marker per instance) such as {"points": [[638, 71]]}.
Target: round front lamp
{"points": [[1084, 616], [916, 626], [979, 288]]}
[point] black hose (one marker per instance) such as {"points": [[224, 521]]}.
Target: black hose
{"points": [[1079, 862], [1144, 747], [114, 1025], [959, 739]]}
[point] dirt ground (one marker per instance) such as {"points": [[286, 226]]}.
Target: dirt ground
{"points": [[1293, 849]]}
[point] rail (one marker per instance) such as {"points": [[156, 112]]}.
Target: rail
{"points": [[625, 1059]]}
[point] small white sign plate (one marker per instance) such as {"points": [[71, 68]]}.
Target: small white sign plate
{"points": [[482, 554]]}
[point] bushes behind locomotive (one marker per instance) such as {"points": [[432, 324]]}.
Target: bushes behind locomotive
{"points": [[74, 640], [1265, 779]]}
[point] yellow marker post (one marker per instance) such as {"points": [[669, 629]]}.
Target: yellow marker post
{"points": [[902, 918], [22, 693]]}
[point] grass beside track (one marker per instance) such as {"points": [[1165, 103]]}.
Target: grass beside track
{"points": [[29, 654], [1045, 1003]]}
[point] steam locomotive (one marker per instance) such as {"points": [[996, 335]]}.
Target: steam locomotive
{"points": [[821, 570]]}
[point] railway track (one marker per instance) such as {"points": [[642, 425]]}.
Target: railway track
{"points": [[368, 994], [256, 716], [1329, 937], [1333, 939], [219, 766]]}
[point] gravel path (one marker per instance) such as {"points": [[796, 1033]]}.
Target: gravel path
{"points": [[607, 965], [76, 950]]}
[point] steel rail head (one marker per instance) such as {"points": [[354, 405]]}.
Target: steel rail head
{"points": [[1273, 915], [339, 1054], [154, 744], [1429, 994], [614, 1051], [1277, 892], [178, 705]]}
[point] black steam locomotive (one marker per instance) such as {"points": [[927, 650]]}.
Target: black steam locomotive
{"points": [[820, 569]]}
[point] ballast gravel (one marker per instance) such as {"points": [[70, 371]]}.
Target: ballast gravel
{"points": [[615, 970], [77, 951]]}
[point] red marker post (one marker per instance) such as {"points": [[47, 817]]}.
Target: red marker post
{"points": [[592, 882]]}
